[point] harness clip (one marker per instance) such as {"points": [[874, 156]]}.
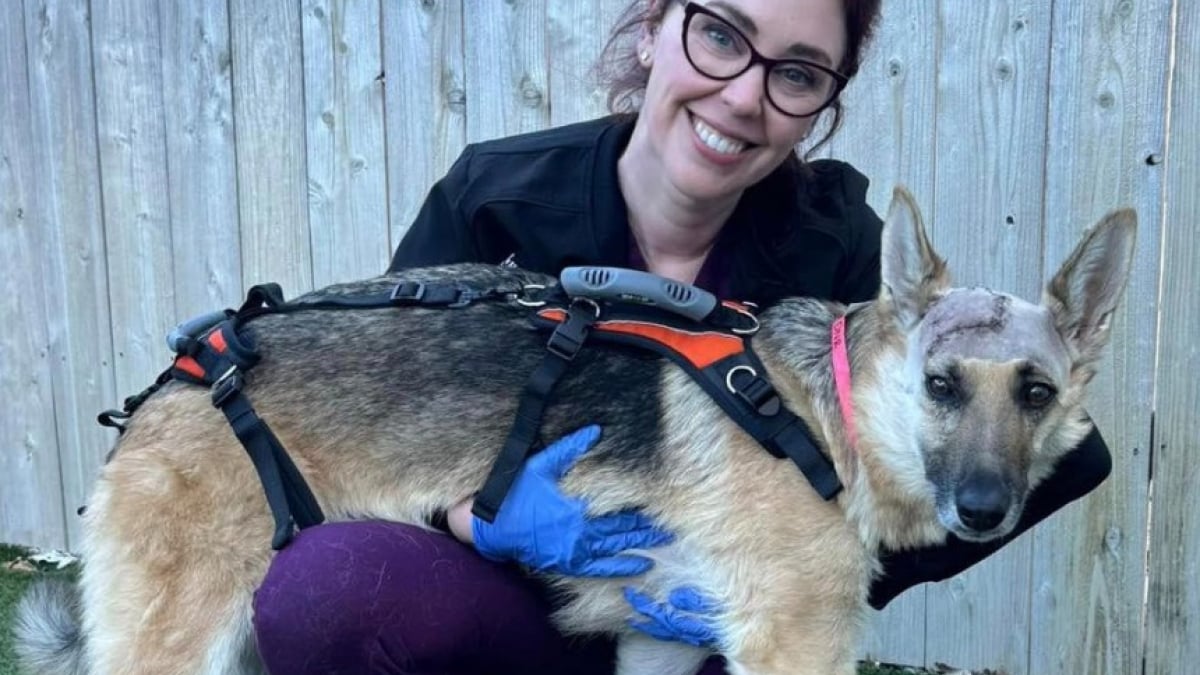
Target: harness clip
{"points": [[568, 337], [226, 386]]}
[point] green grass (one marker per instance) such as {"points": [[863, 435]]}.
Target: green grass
{"points": [[13, 584]]}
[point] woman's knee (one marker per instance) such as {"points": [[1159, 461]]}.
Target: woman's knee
{"points": [[330, 593], [384, 596]]}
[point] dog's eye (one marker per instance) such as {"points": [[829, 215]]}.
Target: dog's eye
{"points": [[1038, 395], [939, 388]]}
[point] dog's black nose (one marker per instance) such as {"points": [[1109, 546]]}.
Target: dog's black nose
{"points": [[982, 502]]}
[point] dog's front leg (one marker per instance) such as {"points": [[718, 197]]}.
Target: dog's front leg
{"points": [[639, 654], [803, 644]]}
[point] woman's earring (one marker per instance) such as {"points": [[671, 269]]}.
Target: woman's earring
{"points": [[645, 56]]}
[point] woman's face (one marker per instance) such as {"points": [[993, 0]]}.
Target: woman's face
{"points": [[715, 138]]}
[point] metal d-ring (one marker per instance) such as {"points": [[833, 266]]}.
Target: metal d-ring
{"points": [[531, 303], [754, 324], [729, 376], [595, 305]]}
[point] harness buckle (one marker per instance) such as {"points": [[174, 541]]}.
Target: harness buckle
{"points": [[408, 291], [228, 384], [568, 336]]}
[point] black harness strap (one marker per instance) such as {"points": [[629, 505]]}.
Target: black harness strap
{"points": [[750, 399], [291, 501], [564, 343]]}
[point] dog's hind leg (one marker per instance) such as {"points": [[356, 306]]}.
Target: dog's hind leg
{"points": [[146, 611], [176, 540], [642, 655]]}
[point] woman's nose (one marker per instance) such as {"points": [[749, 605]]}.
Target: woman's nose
{"points": [[745, 94]]}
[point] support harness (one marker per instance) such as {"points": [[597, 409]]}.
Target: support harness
{"points": [[711, 342]]}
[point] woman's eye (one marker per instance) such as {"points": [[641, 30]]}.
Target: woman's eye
{"points": [[1038, 395], [720, 37], [939, 388], [796, 77]]}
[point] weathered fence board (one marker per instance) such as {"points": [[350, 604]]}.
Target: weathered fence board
{"points": [[343, 99], [201, 156], [507, 74], [1107, 113], [29, 461], [575, 34], [75, 304], [1172, 645], [425, 98], [134, 180], [268, 107]]}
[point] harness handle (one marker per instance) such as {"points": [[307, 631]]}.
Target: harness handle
{"points": [[625, 285]]}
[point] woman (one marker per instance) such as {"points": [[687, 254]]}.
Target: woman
{"points": [[702, 185]]}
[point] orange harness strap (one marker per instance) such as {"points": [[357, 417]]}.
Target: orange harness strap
{"points": [[700, 348]]}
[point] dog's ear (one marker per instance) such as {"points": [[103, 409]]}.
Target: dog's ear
{"points": [[1084, 293], [913, 274]]}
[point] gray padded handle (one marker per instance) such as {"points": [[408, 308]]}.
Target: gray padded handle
{"points": [[617, 283]]}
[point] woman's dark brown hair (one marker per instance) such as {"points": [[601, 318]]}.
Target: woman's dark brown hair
{"points": [[625, 78]]}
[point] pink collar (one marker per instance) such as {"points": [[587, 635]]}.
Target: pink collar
{"points": [[841, 377]]}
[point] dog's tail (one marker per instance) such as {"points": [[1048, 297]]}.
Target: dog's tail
{"points": [[47, 634]]}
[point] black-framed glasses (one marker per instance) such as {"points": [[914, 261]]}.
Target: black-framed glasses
{"points": [[718, 50]]}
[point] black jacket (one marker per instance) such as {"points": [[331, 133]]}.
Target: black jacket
{"points": [[550, 199]]}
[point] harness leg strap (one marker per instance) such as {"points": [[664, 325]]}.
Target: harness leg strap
{"points": [[288, 496]]}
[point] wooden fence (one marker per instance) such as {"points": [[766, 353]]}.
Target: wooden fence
{"points": [[157, 158]]}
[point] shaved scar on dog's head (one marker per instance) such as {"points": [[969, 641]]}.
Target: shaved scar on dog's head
{"points": [[982, 324]]}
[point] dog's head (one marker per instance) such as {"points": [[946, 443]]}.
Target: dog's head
{"points": [[998, 381]]}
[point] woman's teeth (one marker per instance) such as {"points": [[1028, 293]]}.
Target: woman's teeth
{"points": [[714, 140]]}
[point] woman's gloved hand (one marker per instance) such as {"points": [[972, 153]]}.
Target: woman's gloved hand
{"points": [[688, 616], [548, 531]]}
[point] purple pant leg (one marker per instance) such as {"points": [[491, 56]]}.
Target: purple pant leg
{"points": [[375, 597]]}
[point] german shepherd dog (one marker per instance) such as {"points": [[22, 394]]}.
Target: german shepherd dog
{"points": [[964, 399]]}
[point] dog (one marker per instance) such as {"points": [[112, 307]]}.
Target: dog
{"points": [[963, 400]]}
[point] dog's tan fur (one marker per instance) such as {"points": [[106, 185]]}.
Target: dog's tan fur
{"points": [[177, 530]]}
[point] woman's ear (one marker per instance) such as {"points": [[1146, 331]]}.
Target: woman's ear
{"points": [[645, 46], [649, 34]]}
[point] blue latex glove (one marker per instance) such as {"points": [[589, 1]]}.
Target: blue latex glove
{"points": [[688, 616], [548, 531]]}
